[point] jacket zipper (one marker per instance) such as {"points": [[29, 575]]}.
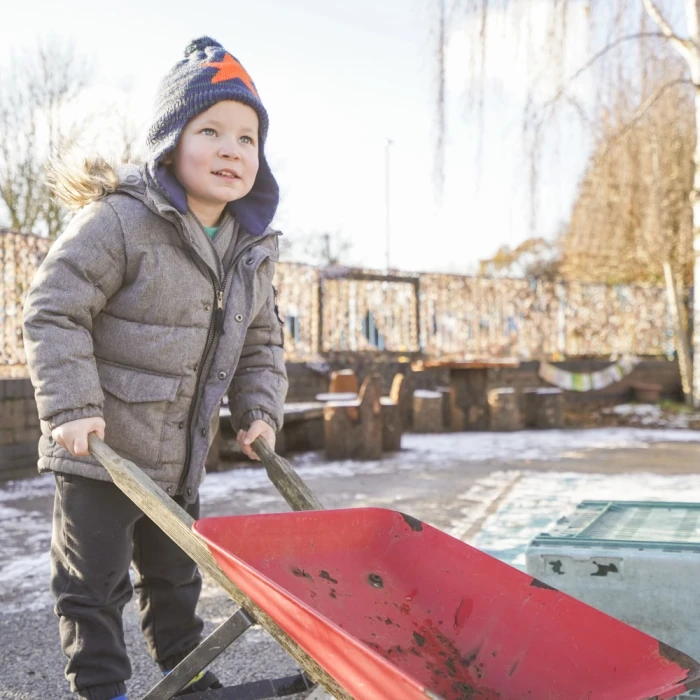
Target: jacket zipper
{"points": [[216, 323]]}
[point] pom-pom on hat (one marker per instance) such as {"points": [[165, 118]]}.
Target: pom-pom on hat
{"points": [[206, 75]]}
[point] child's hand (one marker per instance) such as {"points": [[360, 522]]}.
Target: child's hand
{"points": [[73, 436], [258, 428]]}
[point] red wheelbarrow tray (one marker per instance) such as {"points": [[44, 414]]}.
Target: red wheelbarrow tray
{"points": [[395, 609]]}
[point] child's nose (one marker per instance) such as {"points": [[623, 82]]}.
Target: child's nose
{"points": [[229, 148]]}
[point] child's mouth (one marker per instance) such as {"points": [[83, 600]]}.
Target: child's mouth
{"points": [[227, 174]]}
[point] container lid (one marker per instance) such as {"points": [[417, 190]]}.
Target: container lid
{"points": [[639, 524]]}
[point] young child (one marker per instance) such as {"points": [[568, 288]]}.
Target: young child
{"points": [[154, 302]]}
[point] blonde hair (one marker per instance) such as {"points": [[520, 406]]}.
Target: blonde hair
{"points": [[75, 182]]}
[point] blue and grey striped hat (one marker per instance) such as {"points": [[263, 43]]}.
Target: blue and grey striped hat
{"points": [[206, 75]]}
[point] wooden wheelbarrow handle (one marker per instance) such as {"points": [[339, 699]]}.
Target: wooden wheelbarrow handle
{"points": [[177, 523], [173, 519], [286, 480]]}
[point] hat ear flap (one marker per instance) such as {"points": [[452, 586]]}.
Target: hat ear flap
{"points": [[169, 185], [256, 210]]}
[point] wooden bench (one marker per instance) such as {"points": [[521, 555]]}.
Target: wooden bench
{"points": [[392, 422], [453, 415], [544, 407], [646, 392], [302, 430], [353, 429], [336, 396], [343, 381], [469, 381], [504, 412], [427, 411]]}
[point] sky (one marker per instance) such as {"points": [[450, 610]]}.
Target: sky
{"points": [[338, 79]]}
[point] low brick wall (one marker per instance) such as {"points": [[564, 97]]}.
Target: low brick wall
{"points": [[649, 371], [19, 422], [19, 428]]}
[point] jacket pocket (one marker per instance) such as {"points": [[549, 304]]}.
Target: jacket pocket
{"points": [[135, 409]]}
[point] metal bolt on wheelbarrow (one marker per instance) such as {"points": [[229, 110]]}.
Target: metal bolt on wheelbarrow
{"points": [[376, 605]]}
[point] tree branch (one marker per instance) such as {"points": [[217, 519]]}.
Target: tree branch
{"points": [[597, 56], [643, 109], [683, 46], [540, 114], [692, 11], [441, 99]]}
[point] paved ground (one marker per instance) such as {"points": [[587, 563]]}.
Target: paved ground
{"points": [[467, 485]]}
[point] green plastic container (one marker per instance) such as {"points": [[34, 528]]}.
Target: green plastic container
{"points": [[638, 561]]}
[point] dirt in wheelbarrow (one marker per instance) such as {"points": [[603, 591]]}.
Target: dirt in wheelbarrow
{"points": [[453, 675]]}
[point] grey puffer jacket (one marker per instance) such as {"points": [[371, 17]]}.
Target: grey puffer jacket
{"points": [[132, 316]]}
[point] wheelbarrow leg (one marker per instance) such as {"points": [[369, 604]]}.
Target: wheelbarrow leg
{"points": [[223, 636]]}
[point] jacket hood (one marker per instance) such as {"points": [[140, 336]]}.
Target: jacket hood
{"points": [[254, 212], [136, 182]]}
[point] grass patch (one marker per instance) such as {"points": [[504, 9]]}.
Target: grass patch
{"points": [[677, 407]]}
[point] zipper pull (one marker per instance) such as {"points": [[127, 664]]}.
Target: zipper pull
{"points": [[220, 311]]}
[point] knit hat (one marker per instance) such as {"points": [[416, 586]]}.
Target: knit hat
{"points": [[207, 75]]}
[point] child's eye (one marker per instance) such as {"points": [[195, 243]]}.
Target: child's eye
{"points": [[247, 139], [209, 132]]}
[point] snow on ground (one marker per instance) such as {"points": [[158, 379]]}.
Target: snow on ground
{"points": [[650, 414], [550, 445], [422, 451], [642, 410], [24, 546], [501, 512], [528, 503]]}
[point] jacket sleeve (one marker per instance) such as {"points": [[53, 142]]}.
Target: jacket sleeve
{"points": [[84, 267], [259, 385]]}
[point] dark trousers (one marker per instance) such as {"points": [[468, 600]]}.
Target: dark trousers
{"points": [[97, 533]]}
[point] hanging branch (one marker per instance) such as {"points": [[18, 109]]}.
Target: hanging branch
{"points": [[684, 46], [643, 109]]}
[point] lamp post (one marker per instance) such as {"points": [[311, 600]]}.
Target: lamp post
{"points": [[387, 220]]}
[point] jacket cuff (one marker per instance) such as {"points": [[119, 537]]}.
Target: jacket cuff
{"points": [[258, 414], [74, 414]]}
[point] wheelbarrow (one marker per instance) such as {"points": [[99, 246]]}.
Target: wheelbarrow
{"points": [[376, 605]]}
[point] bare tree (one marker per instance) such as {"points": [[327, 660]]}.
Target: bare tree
{"points": [[633, 213], [35, 93], [126, 141], [623, 35], [632, 221], [534, 257], [130, 149]]}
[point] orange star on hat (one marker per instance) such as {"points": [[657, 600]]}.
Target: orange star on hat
{"points": [[229, 69]]}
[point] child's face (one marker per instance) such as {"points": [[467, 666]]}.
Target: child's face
{"points": [[216, 158]]}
